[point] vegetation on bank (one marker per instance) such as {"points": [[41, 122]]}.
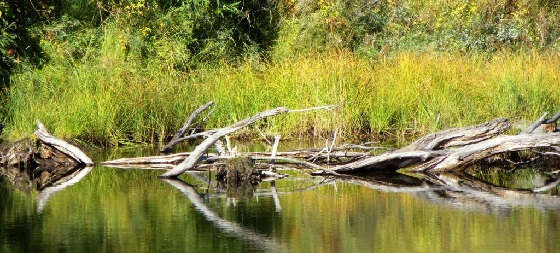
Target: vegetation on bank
{"points": [[116, 72]]}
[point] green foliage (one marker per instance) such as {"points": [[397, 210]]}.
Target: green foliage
{"points": [[131, 69], [113, 101], [372, 27], [18, 43]]}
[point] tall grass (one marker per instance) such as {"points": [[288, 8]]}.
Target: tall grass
{"points": [[111, 99]]}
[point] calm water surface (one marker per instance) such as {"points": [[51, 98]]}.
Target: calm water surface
{"points": [[114, 210]]}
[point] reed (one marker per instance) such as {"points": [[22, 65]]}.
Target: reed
{"points": [[114, 100]]}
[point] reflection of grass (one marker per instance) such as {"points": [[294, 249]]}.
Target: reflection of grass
{"points": [[123, 102], [525, 178], [133, 211]]}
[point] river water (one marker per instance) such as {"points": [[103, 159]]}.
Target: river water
{"points": [[116, 210]]}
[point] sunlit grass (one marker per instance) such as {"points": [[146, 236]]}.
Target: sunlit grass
{"points": [[113, 100]]}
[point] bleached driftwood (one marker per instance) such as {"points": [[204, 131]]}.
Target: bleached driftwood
{"points": [[70, 150], [176, 138], [199, 151], [468, 155], [428, 147], [461, 136]]}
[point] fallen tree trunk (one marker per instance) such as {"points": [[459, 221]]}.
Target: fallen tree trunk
{"points": [[196, 155], [446, 150], [62, 146], [179, 157], [468, 155], [462, 136], [47, 162], [428, 147]]}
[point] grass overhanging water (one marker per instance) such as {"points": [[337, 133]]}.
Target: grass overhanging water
{"points": [[123, 72], [111, 100]]}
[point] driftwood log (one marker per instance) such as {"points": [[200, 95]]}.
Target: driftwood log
{"points": [[49, 161], [428, 147], [177, 137], [447, 150], [203, 147]]}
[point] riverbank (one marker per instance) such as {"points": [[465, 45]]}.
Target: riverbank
{"points": [[113, 101]]}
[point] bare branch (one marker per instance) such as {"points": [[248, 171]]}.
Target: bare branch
{"points": [[186, 125], [535, 124]]}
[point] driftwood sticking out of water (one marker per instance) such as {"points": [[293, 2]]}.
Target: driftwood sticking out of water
{"points": [[176, 138], [428, 147], [286, 156], [43, 163], [468, 155], [62, 146], [446, 150], [203, 147], [457, 137]]}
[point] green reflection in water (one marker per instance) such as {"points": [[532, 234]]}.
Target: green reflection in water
{"points": [[134, 211], [524, 178]]}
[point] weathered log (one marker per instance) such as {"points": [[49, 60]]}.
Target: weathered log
{"points": [[459, 136], [174, 159], [175, 140], [427, 147], [164, 159], [47, 162], [389, 161], [468, 155], [62, 146], [196, 155]]}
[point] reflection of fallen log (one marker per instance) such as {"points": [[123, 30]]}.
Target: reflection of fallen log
{"points": [[495, 196], [226, 226], [459, 191], [47, 162], [47, 192]]}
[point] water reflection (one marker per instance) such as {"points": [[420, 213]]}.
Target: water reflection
{"points": [[48, 192], [229, 227], [110, 209]]}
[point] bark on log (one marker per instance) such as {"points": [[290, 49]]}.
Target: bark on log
{"points": [[468, 155], [389, 161], [196, 155], [428, 147], [62, 146], [460, 136]]}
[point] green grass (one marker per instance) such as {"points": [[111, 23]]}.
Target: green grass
{"points": [[110, 99], [114, 102]]}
